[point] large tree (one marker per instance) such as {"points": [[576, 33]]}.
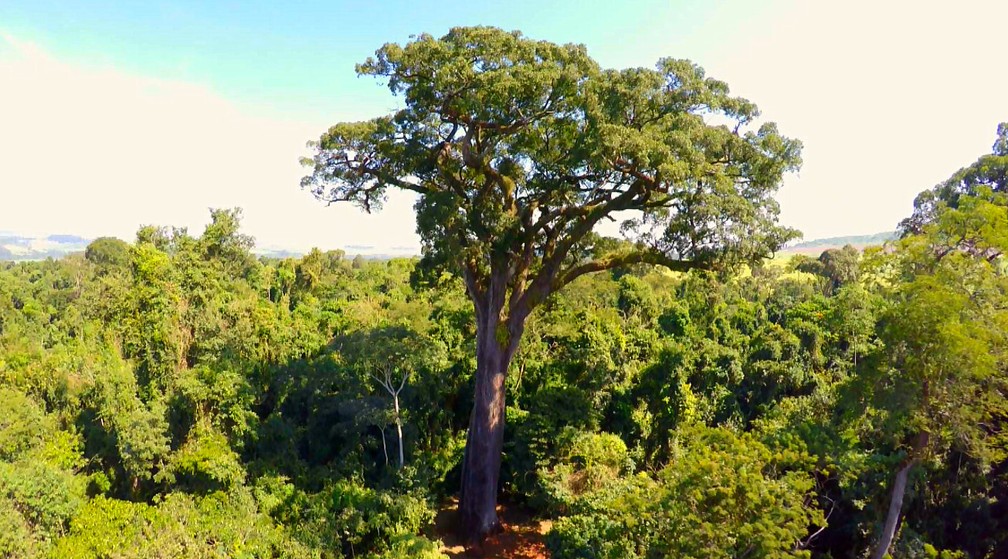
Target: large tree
{"points": [[989, 171], [941, 384], [518, 149]]}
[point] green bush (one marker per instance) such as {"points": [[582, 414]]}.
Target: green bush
{"points": [[106, 528], [219, 525], [23, 424], [590, 536], [411, 547], [726, 495], [16, 537], [204, 463], [723, 495], [588, 462], [611, 522], [347, 518], [46, 496]]}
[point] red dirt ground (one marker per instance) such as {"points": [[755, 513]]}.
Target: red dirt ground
{"points": [[522, 537]]}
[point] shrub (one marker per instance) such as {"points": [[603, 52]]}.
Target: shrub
{"points": [[205, 462], [23, 425], [349, 518], [44, 495], [16, 538], [589, 536], [590, 462], [723, 495], [412, 547], [215, 526]]}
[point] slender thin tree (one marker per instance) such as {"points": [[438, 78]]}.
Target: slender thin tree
{"points": [[387, 380]]}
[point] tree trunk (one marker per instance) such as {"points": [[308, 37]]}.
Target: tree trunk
{"points": [[485, 440], [384, 447], [398, 424], [917, 450], [895, 508]]}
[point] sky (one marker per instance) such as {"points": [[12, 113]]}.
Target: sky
{"points": [[117, 114]]}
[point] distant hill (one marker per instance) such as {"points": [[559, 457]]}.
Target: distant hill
{"points": [[22, 247], [67, 239], [816, 246]]}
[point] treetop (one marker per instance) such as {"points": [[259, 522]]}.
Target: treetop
{"points": [[519, 148]]}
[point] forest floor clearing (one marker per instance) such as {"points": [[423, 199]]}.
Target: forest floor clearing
{"points": [[522, 536]]}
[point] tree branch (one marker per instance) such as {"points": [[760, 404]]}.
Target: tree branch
{"points": [[611, 261]]}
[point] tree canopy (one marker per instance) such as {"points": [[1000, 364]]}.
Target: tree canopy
{"points": [[989, 171], [519, 148]]}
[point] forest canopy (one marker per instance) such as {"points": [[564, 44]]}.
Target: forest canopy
{"points": [[178, 396]]}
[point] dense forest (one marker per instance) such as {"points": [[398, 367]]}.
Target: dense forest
{"points": [[177, 396]]}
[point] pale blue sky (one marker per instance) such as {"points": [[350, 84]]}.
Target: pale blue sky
{"points": [[297, 58], [116, 114]]}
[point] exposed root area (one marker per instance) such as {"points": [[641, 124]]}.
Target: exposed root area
{"points": [[522, 536]]}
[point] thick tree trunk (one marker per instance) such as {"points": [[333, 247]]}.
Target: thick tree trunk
{"points": [[895, 508], [482, 462]]}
